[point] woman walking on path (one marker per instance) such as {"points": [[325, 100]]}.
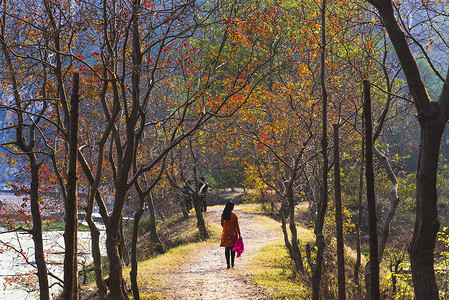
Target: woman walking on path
{"points": [[230, 233]]}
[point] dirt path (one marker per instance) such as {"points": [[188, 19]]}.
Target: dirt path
{"points": [[204, 276]]}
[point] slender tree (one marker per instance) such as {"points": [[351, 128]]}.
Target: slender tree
{"points": [[339, 216], [374, 293], [432, 117], [71, 203], [359, 221], [322, 205], [26, 141]]}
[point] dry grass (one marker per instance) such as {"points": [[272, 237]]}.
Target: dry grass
{"points": [[254, 208], [271, 268], [151, 272]]}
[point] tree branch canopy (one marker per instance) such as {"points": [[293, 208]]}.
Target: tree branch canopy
{"points": [[416, 85]]}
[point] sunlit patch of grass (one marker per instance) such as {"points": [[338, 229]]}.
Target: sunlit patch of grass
{"points": [[150, 296], [176, 255], [305, 235], [180, 233], [273, 268], [273, 271], [255, 208], [268, 222]]}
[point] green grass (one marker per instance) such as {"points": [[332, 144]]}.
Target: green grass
{"points": [[48, 226], [54, 225], [87, 274], [273, 270]]}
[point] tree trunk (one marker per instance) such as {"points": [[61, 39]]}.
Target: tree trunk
{"points": [[339, 218], [70, 290], [296, 251], [371, 197], [432, 117], [42, 274], [98, 263], [359, 225], [204, 234], [185, 213], [394, 200], [426, 225], [394, 268], [115, 281], [291, 244], [154, 238], [322, 206], [41, 266], [133, 272], [94, 232], [393, 283], [114, 242]]}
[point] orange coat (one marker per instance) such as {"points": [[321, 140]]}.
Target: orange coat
{"points": [[231, 231]]}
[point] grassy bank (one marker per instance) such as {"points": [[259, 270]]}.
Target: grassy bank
{"points": [[271, 268], [185, 240]]}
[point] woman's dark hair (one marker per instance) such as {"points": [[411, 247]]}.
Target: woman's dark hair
{"points": [[227, 210]]}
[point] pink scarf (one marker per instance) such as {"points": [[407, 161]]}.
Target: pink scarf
{"points": [[239, 247]]}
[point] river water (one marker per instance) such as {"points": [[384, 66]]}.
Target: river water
{"points": [[13, 263]]}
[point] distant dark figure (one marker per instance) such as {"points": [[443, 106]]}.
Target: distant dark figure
{"points": [[230, 233], [202, 191]]}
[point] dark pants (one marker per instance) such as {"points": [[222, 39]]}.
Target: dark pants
{"points": [[229, 254]]}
